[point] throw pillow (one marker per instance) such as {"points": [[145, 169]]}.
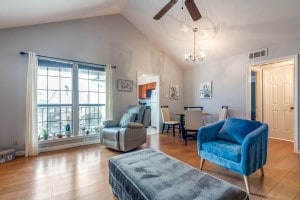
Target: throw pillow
{"points": [[126, 118], [235, 130]]}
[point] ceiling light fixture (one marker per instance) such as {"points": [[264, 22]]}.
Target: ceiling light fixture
{"points": [[193, 57]]}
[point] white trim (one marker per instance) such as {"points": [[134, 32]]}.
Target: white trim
{"points": [[68, 138], [281, 139], [20, 153], [248, 92], [59, 147], [296, 104], [138, 74]]}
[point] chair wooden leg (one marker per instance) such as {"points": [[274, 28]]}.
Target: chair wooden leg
{"points": [[247, 183], [163, 128], [173, 130], [262, 171], [168, 128], [184, 136], [201, 163]]}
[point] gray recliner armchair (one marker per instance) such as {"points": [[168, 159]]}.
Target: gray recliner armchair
{"points": [[129, 132]]}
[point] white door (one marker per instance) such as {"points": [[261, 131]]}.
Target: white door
{"points": [[278, 100]]}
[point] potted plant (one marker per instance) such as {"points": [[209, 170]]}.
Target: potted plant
{"points": [[45, 134]]}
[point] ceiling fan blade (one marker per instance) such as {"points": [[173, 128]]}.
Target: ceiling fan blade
{"points": [[193, 10], [165, 9]]}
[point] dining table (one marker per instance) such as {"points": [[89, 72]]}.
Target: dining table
{"points": [[182, 120]]}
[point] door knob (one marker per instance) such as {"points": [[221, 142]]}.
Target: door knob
{"points": [[292, 108]]}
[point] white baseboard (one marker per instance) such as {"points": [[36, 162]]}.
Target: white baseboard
{"points": [[281, 139], [65, 146], [20, 153]]}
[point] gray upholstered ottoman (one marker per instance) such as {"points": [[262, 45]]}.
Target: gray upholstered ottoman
{"points": [[150, 174]]}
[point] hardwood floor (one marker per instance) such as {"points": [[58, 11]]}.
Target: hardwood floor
{"points": [[82, 173]]}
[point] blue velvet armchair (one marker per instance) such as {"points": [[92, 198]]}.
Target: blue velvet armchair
{"points": [[239, 145]]}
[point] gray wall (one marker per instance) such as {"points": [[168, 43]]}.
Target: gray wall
{"points": [[230, 79], [104, 40]]}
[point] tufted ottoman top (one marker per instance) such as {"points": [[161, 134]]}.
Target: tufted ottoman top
{"points": [[151, 174]]}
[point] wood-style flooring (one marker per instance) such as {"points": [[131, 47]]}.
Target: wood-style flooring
{"points": [[82, 173]]}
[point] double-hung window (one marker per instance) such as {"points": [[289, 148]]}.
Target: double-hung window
{"points": [[70, 98]]}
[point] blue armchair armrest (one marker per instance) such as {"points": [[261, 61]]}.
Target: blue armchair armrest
{"points": [[254, 142], [208, 133]]}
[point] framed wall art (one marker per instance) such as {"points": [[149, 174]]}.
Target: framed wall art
{"points": [[205, 90], [124, 85], [174, 91]]}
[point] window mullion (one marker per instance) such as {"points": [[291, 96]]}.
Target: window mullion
{"points": [[75, 100]]}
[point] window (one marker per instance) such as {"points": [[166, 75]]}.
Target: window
{"points": [[70, 98], [91, 98]]}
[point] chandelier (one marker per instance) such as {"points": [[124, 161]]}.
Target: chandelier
{"points": [[195, 56]]}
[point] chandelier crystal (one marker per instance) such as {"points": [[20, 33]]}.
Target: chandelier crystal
{"points": [[195, 56]]}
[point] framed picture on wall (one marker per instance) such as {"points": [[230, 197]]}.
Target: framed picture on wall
{"points": [[205, 90], [174, 91], [124, 85]]}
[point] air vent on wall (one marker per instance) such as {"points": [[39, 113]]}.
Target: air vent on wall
{"points": [[258, 54]]}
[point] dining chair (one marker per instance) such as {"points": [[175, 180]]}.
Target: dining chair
{"points": [[192, 122], [167, 122], [223, 113]]}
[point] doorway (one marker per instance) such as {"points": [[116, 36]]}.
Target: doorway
{"points": [[148, 95], [274, 97]]}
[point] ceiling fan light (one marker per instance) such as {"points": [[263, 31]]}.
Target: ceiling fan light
{"points": [[193, 57]]}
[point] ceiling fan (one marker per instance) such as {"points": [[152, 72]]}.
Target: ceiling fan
{"points": [[190, 5]]}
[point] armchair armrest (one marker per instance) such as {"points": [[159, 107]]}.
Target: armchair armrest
{"points": [[254, 149], [111, 123], [208, 133], [134, 125]]}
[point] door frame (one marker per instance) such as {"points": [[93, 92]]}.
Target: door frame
{"points": [[138, 74], [258, 91], [296, 93]]}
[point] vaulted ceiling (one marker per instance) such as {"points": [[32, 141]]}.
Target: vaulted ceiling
{"points": [[226, 28]]}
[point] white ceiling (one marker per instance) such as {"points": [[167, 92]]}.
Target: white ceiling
{"points": [[227, 28]]}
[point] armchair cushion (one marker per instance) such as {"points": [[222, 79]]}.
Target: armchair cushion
{"points": [[223, 149], [126, 118], [235, 130]]}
